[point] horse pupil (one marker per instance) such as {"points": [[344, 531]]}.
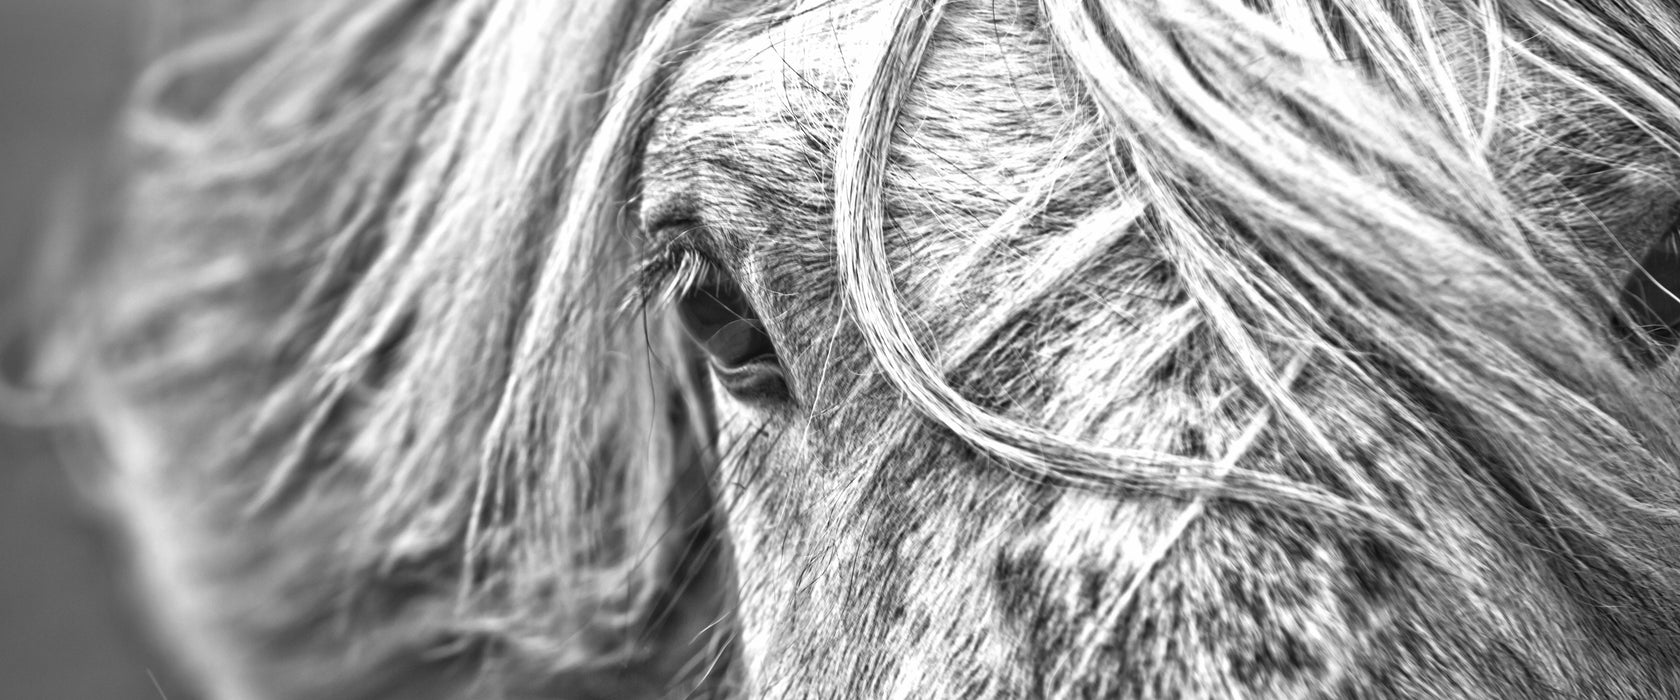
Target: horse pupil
{"points": [[719, 318]]}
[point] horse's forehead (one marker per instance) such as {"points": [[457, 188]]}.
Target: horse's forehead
{"points": [[766, 103], [770, 81]]}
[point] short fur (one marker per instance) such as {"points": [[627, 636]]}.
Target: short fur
{"points": [[1138, 348]]}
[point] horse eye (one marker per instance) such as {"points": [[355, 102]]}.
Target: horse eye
{"points": [[718, 317]]}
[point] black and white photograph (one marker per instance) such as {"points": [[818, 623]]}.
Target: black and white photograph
{"points": [[839, 349]]}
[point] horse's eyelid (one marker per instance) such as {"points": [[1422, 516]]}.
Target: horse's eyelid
{"points": [[676, 231]]}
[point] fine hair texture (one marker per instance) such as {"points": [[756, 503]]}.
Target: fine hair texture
{"points": [[381, 422]]}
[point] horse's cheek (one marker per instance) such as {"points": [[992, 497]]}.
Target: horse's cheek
{"points": [[762, 511]]}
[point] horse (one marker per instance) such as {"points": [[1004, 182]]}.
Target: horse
{"points": [[899, 348]]}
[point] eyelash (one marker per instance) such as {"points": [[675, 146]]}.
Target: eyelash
{"points": [[673, 272]]}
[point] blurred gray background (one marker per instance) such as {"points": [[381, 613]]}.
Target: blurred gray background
{"points": [[66, 630]]}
